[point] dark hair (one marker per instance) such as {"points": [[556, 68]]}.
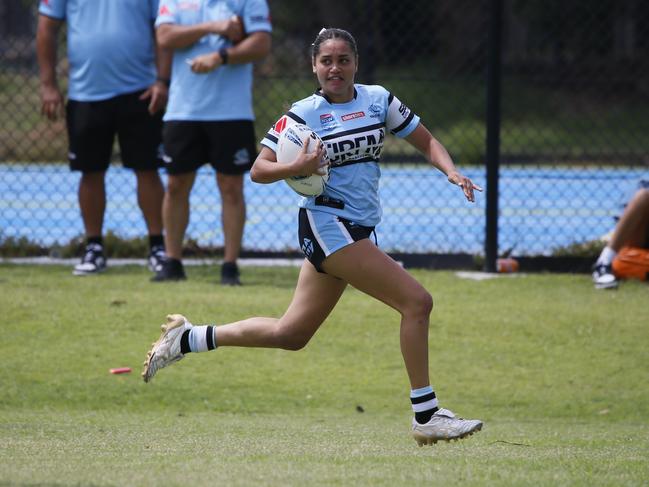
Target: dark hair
{"points": [[333, 33]]}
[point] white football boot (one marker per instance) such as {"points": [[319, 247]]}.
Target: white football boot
{"points": [[444, 425], [166, 350]]}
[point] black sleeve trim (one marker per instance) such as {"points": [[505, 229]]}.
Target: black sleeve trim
{"points": [[295, 117], [404, 124]]}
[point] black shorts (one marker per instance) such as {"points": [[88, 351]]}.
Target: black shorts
{"points": [[92, 126], [320, 234], [228, 146]]}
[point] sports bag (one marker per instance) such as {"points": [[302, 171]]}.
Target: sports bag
{"points": [[632, 263]]}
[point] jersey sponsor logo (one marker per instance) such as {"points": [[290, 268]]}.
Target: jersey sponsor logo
{"points": [[280, 125], [375, 110], [164, 10], [404, 110], [354, 147], [189, 6], [45, 2], [328, 121], [241, 157], [352, 116]]}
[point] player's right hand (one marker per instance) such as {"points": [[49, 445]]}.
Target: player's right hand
{"points": [[307, 164], [51, 102]]}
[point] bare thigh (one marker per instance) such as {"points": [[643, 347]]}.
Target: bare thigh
{"points": [[370, 270], [316, 295]]}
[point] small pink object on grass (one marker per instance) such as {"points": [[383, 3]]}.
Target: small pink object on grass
{"points": [[121, 370]]}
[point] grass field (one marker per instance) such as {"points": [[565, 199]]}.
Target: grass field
{"points": [[557, 370]]}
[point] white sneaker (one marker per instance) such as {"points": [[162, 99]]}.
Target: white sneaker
{"points": [[603, 277], [444, 425], [166, 350]]}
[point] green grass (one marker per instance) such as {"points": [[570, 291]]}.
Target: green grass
{"points": [[557, 371]]}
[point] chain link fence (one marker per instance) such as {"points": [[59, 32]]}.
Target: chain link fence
{"points": [[574, 126]]}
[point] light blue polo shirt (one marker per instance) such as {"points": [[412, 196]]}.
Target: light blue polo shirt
{"points": [[226, 92], [110, 45]]}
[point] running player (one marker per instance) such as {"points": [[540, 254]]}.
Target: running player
{"points": [[334, 232]]}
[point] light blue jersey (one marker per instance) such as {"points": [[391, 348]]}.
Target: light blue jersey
{"points": [[226, 92], [110, 45], [353, 133]]}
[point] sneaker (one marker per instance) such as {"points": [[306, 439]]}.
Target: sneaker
{"points": [[171, 270], [156, 258], [92, 262], [166, 350], [603, 276], [444, 425], [230, 274]]}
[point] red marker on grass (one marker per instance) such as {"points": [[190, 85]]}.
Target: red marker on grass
{"points": [[120, 370]]}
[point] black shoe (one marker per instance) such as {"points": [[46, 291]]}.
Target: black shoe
{"points": [[230, 274], [156, 258], [172, 270], [92, 262]]}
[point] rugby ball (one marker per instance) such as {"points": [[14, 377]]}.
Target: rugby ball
{"points": [[289, 145]]}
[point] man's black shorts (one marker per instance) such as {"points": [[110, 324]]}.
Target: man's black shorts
{"points": [[228, 146], [92, 127]]}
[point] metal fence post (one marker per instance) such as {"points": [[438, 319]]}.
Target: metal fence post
{"points": [[494, 67]]}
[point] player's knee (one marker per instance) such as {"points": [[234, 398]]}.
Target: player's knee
{"points": [[420, 305], [288, 338], [178, 187], [294, 342], [642, 197], [231, 195]]}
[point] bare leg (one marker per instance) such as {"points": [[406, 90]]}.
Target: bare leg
{"points": [[175, 212], [298, 324], [632, 227], [368, 269], [150, 194], [92, 202], [233, 214]]}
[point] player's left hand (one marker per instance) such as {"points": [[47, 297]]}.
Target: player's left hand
{"points": [[157, 94], [465, 183]]}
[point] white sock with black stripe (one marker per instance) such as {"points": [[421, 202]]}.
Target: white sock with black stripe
{"points": [[198, 339], [424, 403]]}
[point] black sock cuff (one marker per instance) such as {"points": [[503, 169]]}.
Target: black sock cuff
{"points": [[209, 338], [423, 417], [184, 343]]}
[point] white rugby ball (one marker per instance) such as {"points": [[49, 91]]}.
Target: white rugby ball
{"points": [[290, 143]]}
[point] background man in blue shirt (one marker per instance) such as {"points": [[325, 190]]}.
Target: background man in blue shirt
{"points": [[114, 88], [209, 118]]}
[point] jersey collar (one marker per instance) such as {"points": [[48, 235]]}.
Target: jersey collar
{"points": [[320, 93]]}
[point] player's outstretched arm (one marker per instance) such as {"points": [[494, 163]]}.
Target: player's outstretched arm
{"points": [[439, 157]]}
